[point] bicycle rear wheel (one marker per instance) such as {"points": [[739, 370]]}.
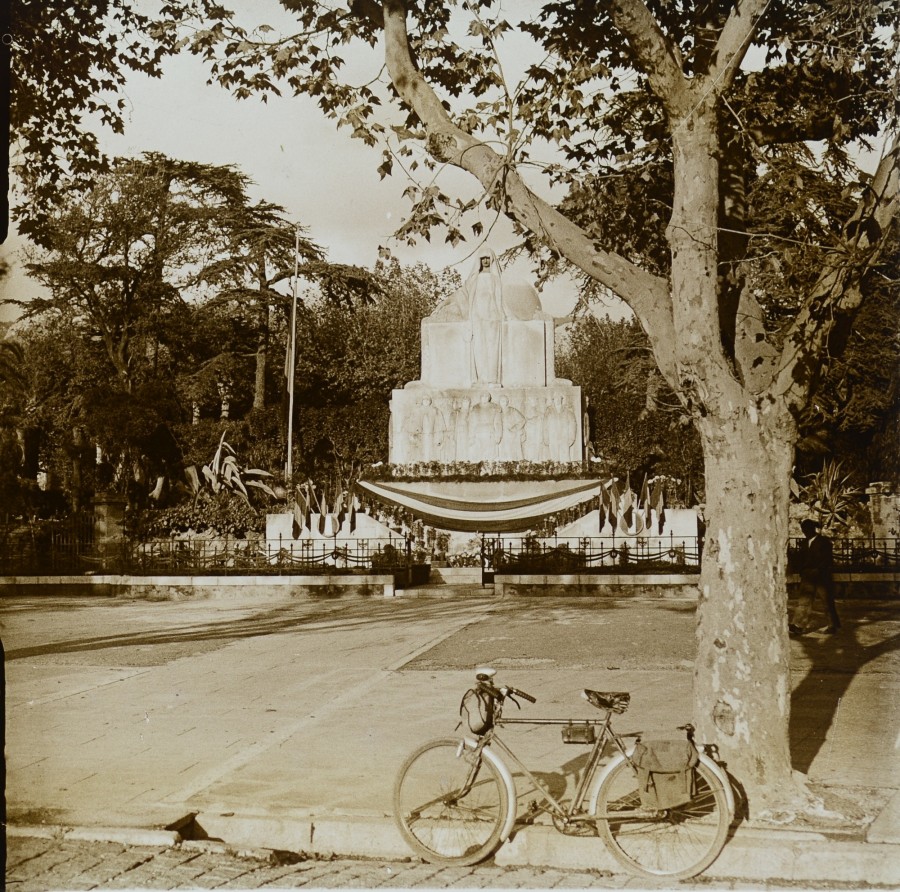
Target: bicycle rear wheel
{"points": [[677, 842], [450, 803]]}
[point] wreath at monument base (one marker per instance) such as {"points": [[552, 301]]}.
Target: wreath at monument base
{"points": [[459, 472]]}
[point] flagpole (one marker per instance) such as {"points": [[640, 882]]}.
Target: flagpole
{"points": [[289, 464]]}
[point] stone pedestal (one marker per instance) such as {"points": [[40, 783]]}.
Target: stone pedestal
{"points": [[884, 510], [526, 354]]}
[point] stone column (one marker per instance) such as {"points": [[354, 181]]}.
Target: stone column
{"points": [[109, 531]]}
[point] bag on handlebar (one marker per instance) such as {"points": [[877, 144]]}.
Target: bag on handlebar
{"points": [[665, 770], [477, 710]]}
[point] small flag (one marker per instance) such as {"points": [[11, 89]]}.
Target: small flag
{"points": [[644, 504], [659, 505], [297, 524], [614, 499], [626, 508]]}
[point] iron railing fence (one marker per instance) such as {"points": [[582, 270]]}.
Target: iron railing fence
{"points": [[69, 547], [657, 554], [595, 554], [46, 547], [860, 555], [275, 557]]}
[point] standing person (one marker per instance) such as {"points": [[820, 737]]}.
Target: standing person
{"points": [[816, 562]]}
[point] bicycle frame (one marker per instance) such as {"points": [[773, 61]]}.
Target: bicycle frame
{"points": [[575, 812]]}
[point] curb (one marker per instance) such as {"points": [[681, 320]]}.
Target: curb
{"points": [[135, 836], [751, 855]]}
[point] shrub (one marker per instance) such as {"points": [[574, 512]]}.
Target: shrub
{"points": [[221, 513]]}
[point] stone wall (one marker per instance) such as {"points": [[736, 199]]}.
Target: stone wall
{"points": [[185, 588]]}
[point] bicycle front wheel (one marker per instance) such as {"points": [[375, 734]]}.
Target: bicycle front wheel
{"points": [[677, 842], [450, 803]]}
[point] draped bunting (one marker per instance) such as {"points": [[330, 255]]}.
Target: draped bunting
{"points": [[482, 507]]}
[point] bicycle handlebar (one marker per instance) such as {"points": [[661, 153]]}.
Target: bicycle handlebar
{"points": [[516, 692], [505, 691]]}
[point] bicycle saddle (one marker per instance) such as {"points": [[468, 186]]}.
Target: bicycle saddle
{"points": [[614, 701]]}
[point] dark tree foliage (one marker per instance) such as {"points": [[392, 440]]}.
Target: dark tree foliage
{"points": [[261, 250], [637, 425], [855, 413], [118, 258], [68, 65], [361, 354]]}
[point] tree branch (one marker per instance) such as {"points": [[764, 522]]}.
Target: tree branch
{"points": [[658, 57], [786, 132], [733, 43], [838, 292], [646, 294]]}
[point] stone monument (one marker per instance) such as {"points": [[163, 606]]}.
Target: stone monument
{"points": [[488, 389]]}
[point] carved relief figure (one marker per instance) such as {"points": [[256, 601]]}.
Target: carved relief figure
{"points": [[485, 429], [587, 430], [512, 442], [447, 449], [424, 432], [432, 431], [560, 429], [461, 431], [534, 429]]}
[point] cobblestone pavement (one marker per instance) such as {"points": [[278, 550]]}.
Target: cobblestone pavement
{"points": [[43, 865]]}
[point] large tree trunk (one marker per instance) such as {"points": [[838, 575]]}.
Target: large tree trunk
{"points": [[742, 681], [742, 670]]}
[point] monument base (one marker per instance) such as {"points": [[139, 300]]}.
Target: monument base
{"points": [[486, 424]]}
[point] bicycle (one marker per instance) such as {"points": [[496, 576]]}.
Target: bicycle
{"points": [[455, 799]]}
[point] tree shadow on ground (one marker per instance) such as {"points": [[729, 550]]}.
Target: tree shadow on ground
{"points": [[281, 619], [833, 663], [556, 783]]}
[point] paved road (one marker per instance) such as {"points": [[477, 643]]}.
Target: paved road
{"points": [[528, 633], [39, 865]]}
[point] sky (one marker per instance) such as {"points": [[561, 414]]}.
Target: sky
{"points": [[297, 158]]}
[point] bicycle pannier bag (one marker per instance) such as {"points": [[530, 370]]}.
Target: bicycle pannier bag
{"points": [[665, 772], [578, 733], [477, 710]]}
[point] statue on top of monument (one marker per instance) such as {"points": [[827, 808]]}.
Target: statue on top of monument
{"points": [[520, 300], [477, 336], [484, 294]]}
